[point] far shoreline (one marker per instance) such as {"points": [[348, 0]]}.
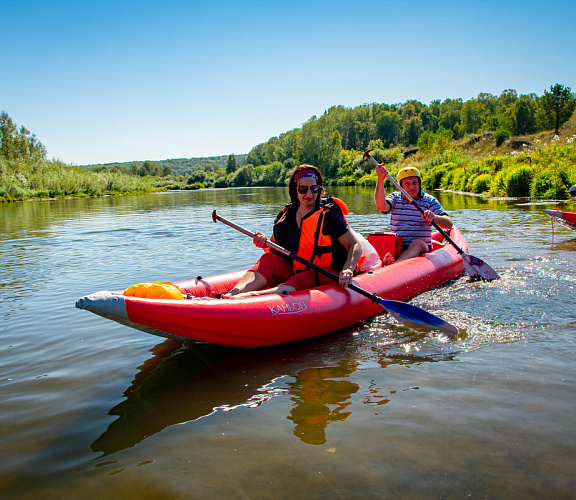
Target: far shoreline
{"points": [[528, 201]]}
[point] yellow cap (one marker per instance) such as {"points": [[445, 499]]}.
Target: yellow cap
{"points": [[408, 172]]}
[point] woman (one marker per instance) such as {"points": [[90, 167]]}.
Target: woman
{"points": [[294, 229]]}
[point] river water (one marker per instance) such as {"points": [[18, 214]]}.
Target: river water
{"points": [[93, 409]]}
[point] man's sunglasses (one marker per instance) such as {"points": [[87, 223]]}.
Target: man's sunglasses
{"points": [[304, 189]]}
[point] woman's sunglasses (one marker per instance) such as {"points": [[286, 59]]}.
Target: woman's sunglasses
{"points": [[304, 189]]}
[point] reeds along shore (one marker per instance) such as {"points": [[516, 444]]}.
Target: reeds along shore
{"points": [[45, 179]]}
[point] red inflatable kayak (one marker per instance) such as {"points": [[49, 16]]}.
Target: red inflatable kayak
{"points": [[567, 219], [275, 319]]}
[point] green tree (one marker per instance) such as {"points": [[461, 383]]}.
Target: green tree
{"points": [[505, 113], [148, 168], [322, 144], [270, 151], [244, 176], [411, 130], [450, 115], [231, 164], [429, 120], [488, 101], [297, 146], [525, 110], [557, 106], [198, 177], [388, 124], [256, 155], [506, 99], [273, 175], [18, 144], [472, 116], [408, 111]]}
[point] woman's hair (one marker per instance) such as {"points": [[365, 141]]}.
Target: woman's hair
{"points": [[292, 183]]}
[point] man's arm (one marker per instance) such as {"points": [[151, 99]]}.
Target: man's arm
{"points": [[380, 192]]}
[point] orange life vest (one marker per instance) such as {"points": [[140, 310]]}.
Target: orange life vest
{"points": [[315, 246]]}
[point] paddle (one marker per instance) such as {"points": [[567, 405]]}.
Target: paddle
{"points": [[401, 311], [475, 267]]}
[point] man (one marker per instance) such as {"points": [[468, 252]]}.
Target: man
{"points": [[405, 219]]}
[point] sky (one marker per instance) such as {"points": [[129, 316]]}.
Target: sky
{"points": [[104, 81]]}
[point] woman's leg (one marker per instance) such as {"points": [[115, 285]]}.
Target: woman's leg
{"points": [[301, 281], [251, 281], [269, 270]]}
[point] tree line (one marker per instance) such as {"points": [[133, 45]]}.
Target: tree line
{"points": [[321, 141], [163, 168]]}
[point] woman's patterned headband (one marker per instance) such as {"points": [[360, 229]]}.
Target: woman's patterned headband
{"points": [[305, 173]]}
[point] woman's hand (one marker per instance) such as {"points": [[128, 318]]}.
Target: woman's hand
{"points": [[345, 277], [352, 245], [260, 239]]}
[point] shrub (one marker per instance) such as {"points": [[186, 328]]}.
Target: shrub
{"points": [[481, 183], [197, 177], [196, 185], [548, 185], [432, 179], [367, 180], [433, 143], [349, 180], [454, 179], [494, 163], [500, 136], [498, 185], [470, 182], [518, 181]]}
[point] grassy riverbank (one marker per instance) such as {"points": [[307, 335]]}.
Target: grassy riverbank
{"points": [[42, 179]]}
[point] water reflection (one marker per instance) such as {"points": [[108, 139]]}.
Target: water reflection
{"points": [[183, 382], [314, 392]]}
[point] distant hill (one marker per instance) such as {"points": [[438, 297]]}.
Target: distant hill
{"points": [[179, 166]]}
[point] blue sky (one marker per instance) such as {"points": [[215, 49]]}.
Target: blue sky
{"points": [[101, 81]]}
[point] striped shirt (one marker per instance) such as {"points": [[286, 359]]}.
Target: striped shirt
{"points": [[407, 221]]}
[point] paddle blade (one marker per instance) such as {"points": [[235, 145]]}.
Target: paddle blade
{"points": [[476, 267], [412, 315]]}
